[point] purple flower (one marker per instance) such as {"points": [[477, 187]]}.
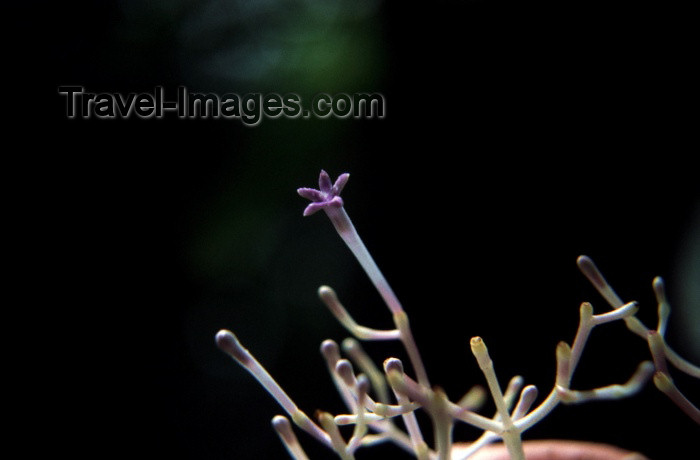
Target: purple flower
{"points": [[328, 195]]}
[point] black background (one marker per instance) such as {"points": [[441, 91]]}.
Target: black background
{"points": [[518, 135]]}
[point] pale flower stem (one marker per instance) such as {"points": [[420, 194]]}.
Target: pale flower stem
{"points": [[291, 443], [343, 225], [228, 343], [511, 436], [345, 228], [420, 448], [401, 321], [360, 423], [327, 197]]}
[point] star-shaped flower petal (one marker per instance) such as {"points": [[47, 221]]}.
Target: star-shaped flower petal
{"points": [[328, 194]]}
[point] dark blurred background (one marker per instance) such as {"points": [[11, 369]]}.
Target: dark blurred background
{"points": [[517, 136]]}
